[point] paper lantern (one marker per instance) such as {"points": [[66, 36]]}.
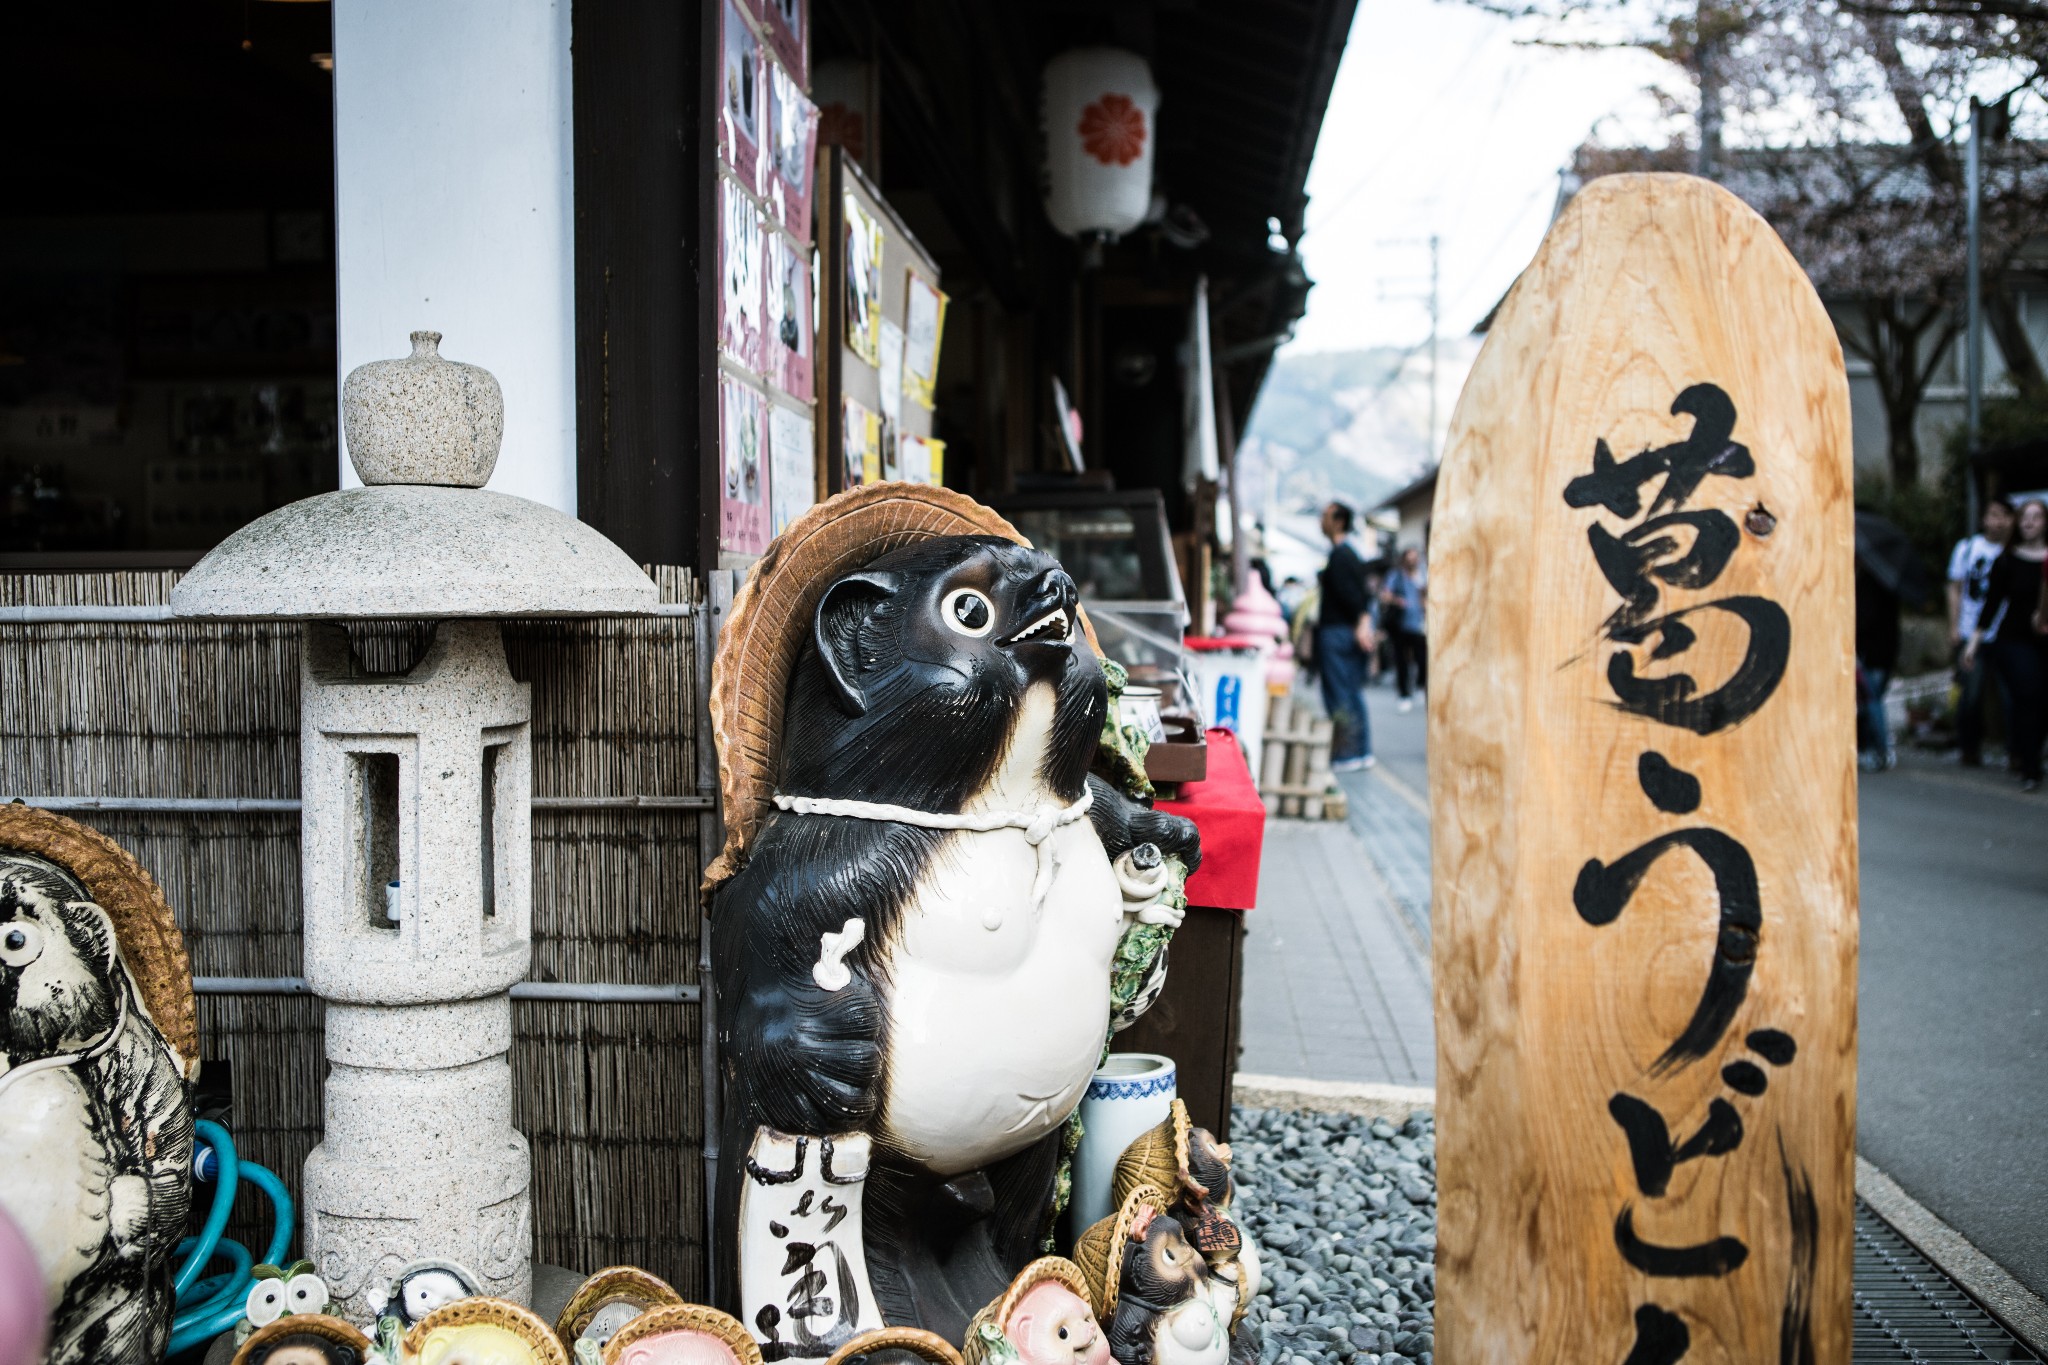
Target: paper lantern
{"points": [[1099, 109]]}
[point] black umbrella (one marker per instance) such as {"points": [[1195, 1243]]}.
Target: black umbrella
{"points": [[1888, 556]]}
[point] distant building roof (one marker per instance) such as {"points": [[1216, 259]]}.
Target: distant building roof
{"points": [[1424, 485]]}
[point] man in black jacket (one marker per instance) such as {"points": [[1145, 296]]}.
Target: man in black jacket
{"points": [[1344, 631]]}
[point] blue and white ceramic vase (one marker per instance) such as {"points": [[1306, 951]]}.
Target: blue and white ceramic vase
{"points": [[1133, 1091]]}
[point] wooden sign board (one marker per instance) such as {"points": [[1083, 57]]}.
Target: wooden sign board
{"points": [[1642, 771]]}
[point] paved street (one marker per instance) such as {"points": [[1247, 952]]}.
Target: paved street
{"points": [[1953, 1080]]}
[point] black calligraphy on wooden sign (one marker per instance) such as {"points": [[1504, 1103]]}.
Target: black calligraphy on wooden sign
{"points": [[1671, 545]]}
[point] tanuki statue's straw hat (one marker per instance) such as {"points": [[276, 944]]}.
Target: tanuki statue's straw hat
{"points": [[147, 932], [1099, 1253], [1158, 1156], [307, 1324], [609, 1285], [997, 1314], [522, 1322], [765, 630], [685, 1317], [928, 1346]]}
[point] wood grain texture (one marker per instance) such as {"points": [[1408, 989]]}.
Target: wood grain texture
{"points": [[1554, 1026]]}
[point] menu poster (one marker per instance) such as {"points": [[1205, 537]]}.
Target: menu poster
{"points": [[787, 20], [793, 484], [792, 321], [743, 446], [741, 246], [921, 459], [924, 321], [790, 155], [861, 442], [863, 283], [739, 108]]}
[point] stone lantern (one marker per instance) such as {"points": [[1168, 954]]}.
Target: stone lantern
{"points": [[416, 791]]}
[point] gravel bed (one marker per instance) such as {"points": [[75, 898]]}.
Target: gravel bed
{"points": [[1343, 1209]]}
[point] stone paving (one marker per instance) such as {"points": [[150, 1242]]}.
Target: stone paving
{"points": [[1337, 954]]}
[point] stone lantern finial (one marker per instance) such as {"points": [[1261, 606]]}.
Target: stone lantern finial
{"points": [[423, 419]]}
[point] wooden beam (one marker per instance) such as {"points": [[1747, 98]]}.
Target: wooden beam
{"points": [[1644, 800], [636, 74]]}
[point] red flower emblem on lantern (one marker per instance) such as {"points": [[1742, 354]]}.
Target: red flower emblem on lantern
{"points": [[1113, 130]]}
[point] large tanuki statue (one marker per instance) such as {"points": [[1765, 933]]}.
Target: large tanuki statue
{"points": [[919, 908]]}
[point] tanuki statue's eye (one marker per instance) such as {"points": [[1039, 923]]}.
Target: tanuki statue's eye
{"points": [[968, 611]]}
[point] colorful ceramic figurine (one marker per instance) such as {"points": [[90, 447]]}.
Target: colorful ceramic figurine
{"points": [[280, 1292], [1151, 1286], [98, 1051], [1194, 1169], [678, 1334], [1043, 1318], [482, 1332], [913, 951], [304, 1339], [607, 1301]]}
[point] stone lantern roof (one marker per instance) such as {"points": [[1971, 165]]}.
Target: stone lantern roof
{"points": [[422, 538]]}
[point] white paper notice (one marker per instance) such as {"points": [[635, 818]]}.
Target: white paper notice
{"points": [[793, 488], [921, 342], [892, 373], [914, 464]]}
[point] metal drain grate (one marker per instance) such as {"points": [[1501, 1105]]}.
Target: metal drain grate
{"points": [[1907, 1310]]}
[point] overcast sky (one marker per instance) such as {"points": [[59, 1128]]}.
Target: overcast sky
{"points": [[1441, 122]]}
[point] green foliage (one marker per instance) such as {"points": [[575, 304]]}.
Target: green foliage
{"points": [[2018, 421]]}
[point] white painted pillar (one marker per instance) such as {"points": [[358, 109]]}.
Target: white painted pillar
{"points": [[454, 208]]}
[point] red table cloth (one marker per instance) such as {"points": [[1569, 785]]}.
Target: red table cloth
{"points": [[1226, 807]]}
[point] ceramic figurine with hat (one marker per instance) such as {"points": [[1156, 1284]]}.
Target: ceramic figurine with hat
{"points": [[1151, 1286], [304, 1339], [98, 1054], [1045, 1317], [676, 1334], [606, 1302], [482, 1331], [915, 917], [1193, 1168]]}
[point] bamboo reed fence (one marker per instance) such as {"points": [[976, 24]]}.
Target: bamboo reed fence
{"points": [[610, 1095]]}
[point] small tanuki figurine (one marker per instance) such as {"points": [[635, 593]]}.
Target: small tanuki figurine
{"points": [[98, 1051], [1194, 1169], [607, 1301], [1151, 1286], [1043, 1318], [304, 1339], [916, 914], [414, 1292], [281, 1292], [675, 1334], [481, 1332]]}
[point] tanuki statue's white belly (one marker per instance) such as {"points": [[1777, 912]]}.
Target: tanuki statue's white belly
{"points": [[997, 1009]]}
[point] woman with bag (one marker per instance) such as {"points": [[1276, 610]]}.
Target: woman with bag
{"points": [[1345, 638]]}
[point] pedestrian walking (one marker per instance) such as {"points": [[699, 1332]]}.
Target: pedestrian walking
{"points": [[1969, 579], [1345, 634], [2006, 630], [1401, 623], [1877, 659]]}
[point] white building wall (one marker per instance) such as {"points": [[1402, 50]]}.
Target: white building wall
{"points": [[454, 208]]}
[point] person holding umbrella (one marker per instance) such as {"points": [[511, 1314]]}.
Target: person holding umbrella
{"points": [[1887, 570]]}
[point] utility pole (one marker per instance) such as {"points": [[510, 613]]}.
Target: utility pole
{"points": [[1434, 244], [1707, 63], [1433, 298], [1973, 316]]}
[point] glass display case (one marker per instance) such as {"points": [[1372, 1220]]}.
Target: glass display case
{"points": [[1120, 552]]}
